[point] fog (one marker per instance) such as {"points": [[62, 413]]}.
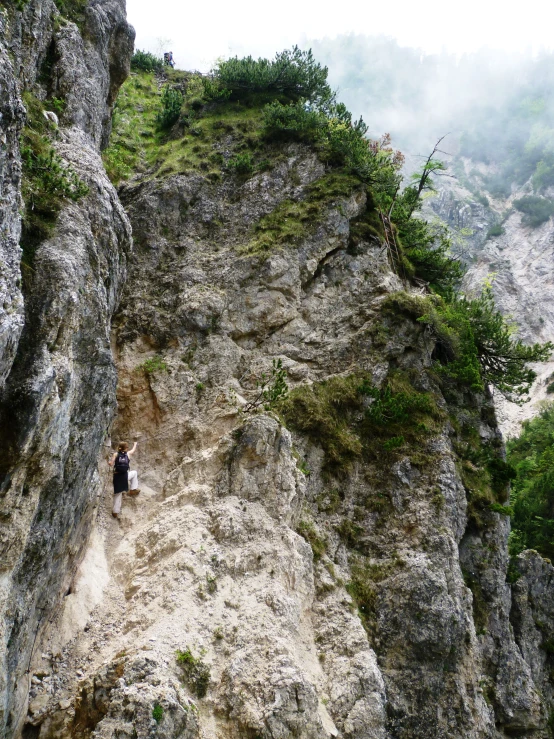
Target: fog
{"points": [[198, 34], [495, 106]]}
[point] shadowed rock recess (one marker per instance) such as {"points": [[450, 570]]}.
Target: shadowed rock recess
{"points": [[303, 571]]}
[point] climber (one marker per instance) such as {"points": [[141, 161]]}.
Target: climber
{"points": [[124, 479], [168, 59]]}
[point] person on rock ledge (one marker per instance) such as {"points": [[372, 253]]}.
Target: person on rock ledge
{"points": [[124, 479]]}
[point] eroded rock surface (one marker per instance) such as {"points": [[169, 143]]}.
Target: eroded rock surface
{"points": [[58, 396], [213, 558]]}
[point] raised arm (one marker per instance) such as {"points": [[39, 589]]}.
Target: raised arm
{"points": [[133, 449]]}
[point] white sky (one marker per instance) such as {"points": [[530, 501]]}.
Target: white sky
{"points": [[198, 33]]}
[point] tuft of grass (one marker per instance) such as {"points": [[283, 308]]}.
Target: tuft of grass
{"points": [[294, 220], [307, 530], [157, 713], [195, 672], [350, 419], [362, 587], [153, 364]]}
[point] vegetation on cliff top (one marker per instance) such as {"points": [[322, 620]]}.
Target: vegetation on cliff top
{"points": [[234, 121]]}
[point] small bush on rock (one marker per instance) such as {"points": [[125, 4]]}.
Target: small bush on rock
{"points": [[172, 101], [195, 672], [536, 210], [144, 61]]}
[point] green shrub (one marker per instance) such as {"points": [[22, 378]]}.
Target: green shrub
{"points": [[550, 388], [475, 344], [241, 163], [144, 61], [495, 230], [172, 101], [536, 210], [153, 364], [293, 74], [504, 510], [424, 247], [195, 672], [213, 89], [293, 121], [272, 389]]}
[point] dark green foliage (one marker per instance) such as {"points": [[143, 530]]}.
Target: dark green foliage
{"points": [[241, 163], [293, 122], [425, 247], [172, 101], [390, 407], [47, 180], [195, 673], [550, 388], [157, 713], [475, 344], [495, 230], [536, 210], [501, 474], [144, 61], [293, 74], [532, 499], [213, 90], [336, 415]]}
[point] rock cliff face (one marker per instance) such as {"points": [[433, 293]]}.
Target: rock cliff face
{"points": [[56, 367], [371, 603], [280, 575]]}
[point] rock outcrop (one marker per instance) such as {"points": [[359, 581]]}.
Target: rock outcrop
{"points": [[59, 391], [372, 603]]}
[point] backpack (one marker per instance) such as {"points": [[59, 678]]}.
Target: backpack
{"points": [[121, 463]]}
